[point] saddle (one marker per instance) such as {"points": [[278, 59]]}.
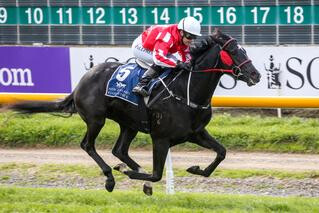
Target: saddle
{"points": [[124, 79]]}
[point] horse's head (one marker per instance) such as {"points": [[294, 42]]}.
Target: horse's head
{"points": [[243, 68]]}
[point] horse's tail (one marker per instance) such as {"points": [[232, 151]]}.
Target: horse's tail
{"points": [[66, 106]]}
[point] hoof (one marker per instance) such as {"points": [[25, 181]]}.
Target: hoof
{"points": [[194, 170], [109, 185], [121, 167], [148, 189]]}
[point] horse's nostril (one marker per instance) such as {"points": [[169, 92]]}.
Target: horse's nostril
{"points": [[255, 75]]}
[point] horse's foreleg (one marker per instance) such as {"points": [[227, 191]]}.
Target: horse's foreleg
{"points": [[160, 149], [88, 144], [205, 140], [120, 150]]}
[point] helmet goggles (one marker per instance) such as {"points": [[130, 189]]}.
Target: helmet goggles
{"points": [[189, 36]]}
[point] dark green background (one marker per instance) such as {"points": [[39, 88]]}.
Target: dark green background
{"points": [[165, 15]]}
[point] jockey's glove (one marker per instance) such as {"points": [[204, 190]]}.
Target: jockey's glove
{"points": [[199, 47], [183, 66], [207, 42]]}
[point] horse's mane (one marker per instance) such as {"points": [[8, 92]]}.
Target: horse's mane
{"points": [[204, 53]]}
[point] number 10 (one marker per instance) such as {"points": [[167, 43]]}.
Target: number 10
{"points": [[35, 15]]}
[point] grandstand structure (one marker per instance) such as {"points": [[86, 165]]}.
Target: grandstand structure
{"points": [[118, 22]]}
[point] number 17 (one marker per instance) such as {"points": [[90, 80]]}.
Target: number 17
{"points": [[265, 14]]}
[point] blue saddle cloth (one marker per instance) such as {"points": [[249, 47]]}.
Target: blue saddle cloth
{"points": [[125, 78]]}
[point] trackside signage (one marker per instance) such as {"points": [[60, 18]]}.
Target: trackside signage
{"points": [[286, 71], [82, 59], [34, 70], [289, 72]]}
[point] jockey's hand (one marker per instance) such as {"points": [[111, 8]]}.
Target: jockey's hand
{"points": [[183, 66], [199, 48], [207, 42]]}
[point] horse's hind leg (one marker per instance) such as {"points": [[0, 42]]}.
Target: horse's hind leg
{"points": [[121, 147], [120, 150], [88, 144], [160, 149], [205, 140]]}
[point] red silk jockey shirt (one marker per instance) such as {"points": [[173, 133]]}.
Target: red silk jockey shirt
{"points": [[163, 40]]}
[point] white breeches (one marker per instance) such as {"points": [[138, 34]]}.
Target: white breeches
{"points": [[146, 55], [141, 53]]}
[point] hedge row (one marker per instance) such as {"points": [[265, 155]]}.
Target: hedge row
{"points": [[246, 133]]}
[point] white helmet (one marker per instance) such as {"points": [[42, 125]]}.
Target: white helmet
{"points": [[190, 25]]}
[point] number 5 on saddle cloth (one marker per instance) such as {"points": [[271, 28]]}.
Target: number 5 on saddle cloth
{"points": [[125, 78]]}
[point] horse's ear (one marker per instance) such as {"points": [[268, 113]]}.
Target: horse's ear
{"points": [[216, 32], [216, 36]]}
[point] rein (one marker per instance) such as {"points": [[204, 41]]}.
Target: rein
{"points": [[225, 70], [235, 70], [214, 70]]}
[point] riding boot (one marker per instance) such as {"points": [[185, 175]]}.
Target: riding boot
{"points": [[152, 72]]}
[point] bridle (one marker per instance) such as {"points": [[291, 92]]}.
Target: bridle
{"points": [[235, 70]]}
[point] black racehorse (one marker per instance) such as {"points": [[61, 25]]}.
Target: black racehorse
{"points": [[179, 113]]}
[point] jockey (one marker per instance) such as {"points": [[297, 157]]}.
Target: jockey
{"points": [[164, 46]]}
